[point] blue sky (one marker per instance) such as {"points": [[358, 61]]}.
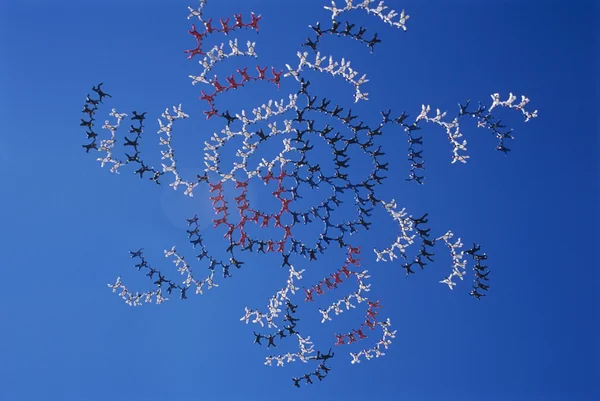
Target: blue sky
{"points": [[66, 225]]}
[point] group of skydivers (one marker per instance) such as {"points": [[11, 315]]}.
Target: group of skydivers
{"points": [[90, 107], [481, 272], [346, 31], [321, 371], [316, 177], [290, 310]]}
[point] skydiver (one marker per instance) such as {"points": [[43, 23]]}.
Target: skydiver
{"points": [[361, 32], [337, 110], [420, 262], [193, 220], [324, 104], [296, 381], [91, 134], [340, 175], [373, 42], [225, 25], [328, 355], [142, 170], [480, 267], [416, 141], [307, 378], [378, 152], [349, 117], [129, 142], [238, 20], [463, 108], [137, 130], [87, 110], [290, 329], [291, 306], [193, 232], [482, 276], [276, 77], [380, 166], [377, 178], [319, 375], [290, 318], [198, 241], [421, 220], [497, 124], [347, 30], [257, 338], [367, 185], [236, 263], [428, 242], [311, 44], [88, 123], [136, 254], [183, 292], [143, 263], [254, 23], [414, 154], [479, 257], [361, 127], [249, 246], [151, 272], [411, 128], [363, 211], [476, 294], [99, 91], [324, 368], [503, 149], [261, 72], [305, 148], [91, 101], [208, 98], [281, 334], [424, 252], [299, 115], [334, 26], [483, 286], [139, 117], [211, 112], [400, 120], [172, 286], [423, 233], [339, 152], [156, 176], [317, 28], [261, 134], [89, 146], [407, 266], [161, 280], [474, 249], [232, 84], [271, 339], [386, 115]]}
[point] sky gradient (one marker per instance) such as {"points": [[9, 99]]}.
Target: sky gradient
{"points": [[66, 225]]}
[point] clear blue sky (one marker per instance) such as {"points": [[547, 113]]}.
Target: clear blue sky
{"points": [[66, 225]]}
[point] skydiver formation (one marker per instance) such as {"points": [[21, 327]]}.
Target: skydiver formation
{"points": [[293, 173]]}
